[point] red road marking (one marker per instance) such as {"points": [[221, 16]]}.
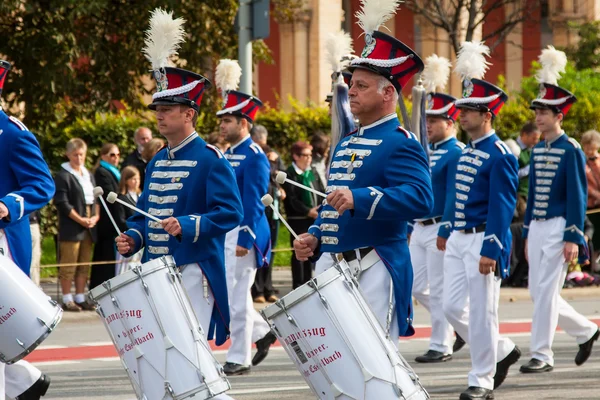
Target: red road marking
{"points": [[106, 351]]}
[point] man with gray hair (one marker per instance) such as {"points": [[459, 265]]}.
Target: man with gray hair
{"points": [[142, 135]]}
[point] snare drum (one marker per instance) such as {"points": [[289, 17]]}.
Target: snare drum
{"points": [[27, 314], [155, 331], [337, 344]]}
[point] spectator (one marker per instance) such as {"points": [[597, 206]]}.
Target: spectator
{"points": [[36, 246], [320, 143], [301, 205], [141, 136], [78, 214], [107, 177], [129, 191], [590, 142], [217, 140], [529, 137], [150, 150], [260, 136]]}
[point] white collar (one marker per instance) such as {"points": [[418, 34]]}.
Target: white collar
{"points": [[441, 142], [481, 139], [185, 142], [235, 146], [520, 143], [549, 142], [67, 166], [380, 121], [297, 169]]}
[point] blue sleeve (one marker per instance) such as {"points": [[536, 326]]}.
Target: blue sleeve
{"points": [[504, 181], [256, 185], [36, 186], [530, 199], [223, 202], [408, 195], [576, 196], [449, 205]]}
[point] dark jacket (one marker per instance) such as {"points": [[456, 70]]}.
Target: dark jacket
{"points": [[122, 213], [107, 181], [69, 195], [135, 159], [294, 206]]}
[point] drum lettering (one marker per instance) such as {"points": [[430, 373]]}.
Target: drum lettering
{"points": [[124, 314], [314, 352], [136, 342], [305, 333], [130, 331], [328, 360], [5, 317]]}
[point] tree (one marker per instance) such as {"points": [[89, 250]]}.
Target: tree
{"points": [[462, 18], [74, 58], [586, 53]]}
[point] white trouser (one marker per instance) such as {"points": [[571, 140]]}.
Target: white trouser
{"points": [[428, 283], [547, 272], [202, 299], [36, 253], [247, 326], [324, 263], [20, 376], [471, 306]]}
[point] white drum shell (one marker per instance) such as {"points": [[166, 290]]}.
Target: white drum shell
{"points": [[157, 336], [27, 314], [337, 343]]}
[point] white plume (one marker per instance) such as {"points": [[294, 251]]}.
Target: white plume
{"points": [[163, 38], [553, 64], [471, 62], [337, 45], [227, 75], [374, 13], [436, 73]]}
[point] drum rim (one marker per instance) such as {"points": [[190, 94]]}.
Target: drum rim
{"points": [[299, 294], [126, 278], [55, 321]]}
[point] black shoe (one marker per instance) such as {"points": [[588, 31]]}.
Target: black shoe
{"points": [[37, 390], [262, 347], [502, 366], [586, 349], [474, 392], [433, 356], [534, 365], [235, 369], [85, 306], [459, 343]]}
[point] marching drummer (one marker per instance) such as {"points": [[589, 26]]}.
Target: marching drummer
{"points": [[25, 186], [371, 199], [478, 249], [192, 186], [248, 246], [429, 235]]}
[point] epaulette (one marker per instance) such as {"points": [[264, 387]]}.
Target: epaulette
{"points": [[256, 148], [18, 123], [504, 149], [215, 149], [408, 134], [574, 143], [351, 133]]}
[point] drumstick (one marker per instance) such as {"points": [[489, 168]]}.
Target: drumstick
{"points": [[267, 201], [282, 177], [98, 192], [112, 197]]}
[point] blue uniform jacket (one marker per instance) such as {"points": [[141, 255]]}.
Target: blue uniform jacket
{"points": [[252, 171], [558, 186], [194, 183], [386, 169], [485, 190], [26, 185], [443, 159]]}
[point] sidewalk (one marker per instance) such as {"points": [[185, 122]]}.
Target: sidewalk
{"points": [[282, 280]]}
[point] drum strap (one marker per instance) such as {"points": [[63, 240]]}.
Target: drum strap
{"points": [[360, 265]]}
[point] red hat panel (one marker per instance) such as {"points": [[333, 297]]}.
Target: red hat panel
{"points": [[482, 96], [241, 104], [178, 86], [4, 68], [554, 98], [389, 57], [441, 105]]}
